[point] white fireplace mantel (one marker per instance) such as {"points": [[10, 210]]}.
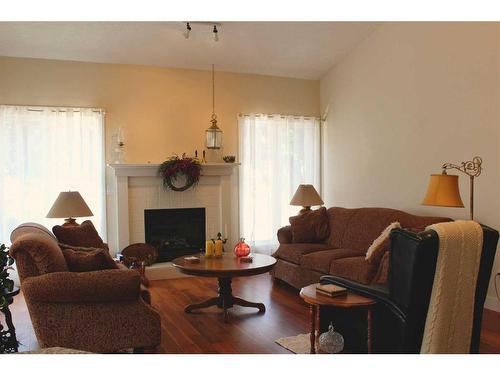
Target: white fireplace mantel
{"points": [[144, 170], [135, 187]]}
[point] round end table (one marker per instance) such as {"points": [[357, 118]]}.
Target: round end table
{"points": [[348, 301]]}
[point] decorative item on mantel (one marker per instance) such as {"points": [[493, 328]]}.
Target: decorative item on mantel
{"points": [[176, 168], [119, 149], [241, 249], [229, 158]]}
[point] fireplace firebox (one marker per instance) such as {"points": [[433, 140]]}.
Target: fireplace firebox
{"points": [[175, 231]]}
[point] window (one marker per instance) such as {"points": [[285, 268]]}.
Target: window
{"points": [[277, 153], [44, 151]]}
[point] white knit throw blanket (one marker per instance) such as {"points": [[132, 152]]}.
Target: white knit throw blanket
{"points": [[448, 328]]}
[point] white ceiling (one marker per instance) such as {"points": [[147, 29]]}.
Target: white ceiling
{"points": [[290, 49]]}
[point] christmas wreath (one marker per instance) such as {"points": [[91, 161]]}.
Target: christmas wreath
{"points": [[175, 167]]}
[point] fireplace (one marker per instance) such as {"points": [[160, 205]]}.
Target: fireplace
{"points": [[175, 231]]}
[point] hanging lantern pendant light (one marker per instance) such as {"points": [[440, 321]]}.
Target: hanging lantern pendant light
{"points": [[213, 133]]}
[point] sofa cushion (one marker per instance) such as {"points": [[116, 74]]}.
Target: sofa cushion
{"points": [[320, 260], [84, 235], [310, 226], [293, 252], [89, 260], [358, 228], [354, 268]]}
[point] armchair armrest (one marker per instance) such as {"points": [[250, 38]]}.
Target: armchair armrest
{"points": [[285, 234], [97, 286]]}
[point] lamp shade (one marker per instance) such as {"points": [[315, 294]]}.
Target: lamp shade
{"points": [[306, 195], [69, 204], [443, 191]]}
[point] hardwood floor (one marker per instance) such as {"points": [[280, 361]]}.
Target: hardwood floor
{"points": [[490, 333], [248, 331]]}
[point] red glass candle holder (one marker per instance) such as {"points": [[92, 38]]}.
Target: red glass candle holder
{"points": [[241, 249]]}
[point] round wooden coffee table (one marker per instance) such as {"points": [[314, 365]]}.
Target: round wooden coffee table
{"points": [[348, 301], [224, 269]]}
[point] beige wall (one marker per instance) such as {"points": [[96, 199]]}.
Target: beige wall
{"points": [[163, 111], [409, 98]]}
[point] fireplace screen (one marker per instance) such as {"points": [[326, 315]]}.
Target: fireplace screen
{"points": [[175, 232]]}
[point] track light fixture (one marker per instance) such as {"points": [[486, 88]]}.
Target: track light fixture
{"points": [[213, 25], [216, 33], [188, 30]]}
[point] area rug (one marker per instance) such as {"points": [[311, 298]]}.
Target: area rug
{"points": [[163, 271], [300, 344], [56, 350]]}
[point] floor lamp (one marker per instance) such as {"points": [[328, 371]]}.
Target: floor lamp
{"points": [[443, 188]]}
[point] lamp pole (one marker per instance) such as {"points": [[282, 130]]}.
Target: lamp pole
{"points": [[472, 168]]}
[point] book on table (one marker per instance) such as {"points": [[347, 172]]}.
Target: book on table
{"points": [[331, 290]]}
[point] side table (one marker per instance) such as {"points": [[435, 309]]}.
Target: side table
{"points": [[348, 301], [11, 344]]}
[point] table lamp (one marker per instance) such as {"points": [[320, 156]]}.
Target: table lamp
{"points": [[68, 205], [443, 188], [306, 196]]}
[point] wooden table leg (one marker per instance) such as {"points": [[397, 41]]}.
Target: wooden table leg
{"points": [[369, 330], [225, 300], [318, 327], [312, 310]]}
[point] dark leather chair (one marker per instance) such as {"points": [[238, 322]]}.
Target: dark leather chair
{"points": [[398, 320]]}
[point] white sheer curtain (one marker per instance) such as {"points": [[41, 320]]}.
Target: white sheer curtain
{"points": [[277, 153], [46, 150]]}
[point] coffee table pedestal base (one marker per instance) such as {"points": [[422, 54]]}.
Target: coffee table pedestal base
{"points": [[225, 300]]}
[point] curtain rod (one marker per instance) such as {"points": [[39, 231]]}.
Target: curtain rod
{"points": [[64, 111], [277, 115], [61, 108]]}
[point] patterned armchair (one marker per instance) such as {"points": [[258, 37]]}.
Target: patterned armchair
{"points": [[99, 311]]}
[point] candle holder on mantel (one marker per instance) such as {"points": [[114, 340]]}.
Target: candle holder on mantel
{"points": [[119, 148]]}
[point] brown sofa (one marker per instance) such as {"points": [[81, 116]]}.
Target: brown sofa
{"points": [[351, 232], [98, 311]]}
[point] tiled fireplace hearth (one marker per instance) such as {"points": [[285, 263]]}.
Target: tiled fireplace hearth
{"points": [[134, 188]]}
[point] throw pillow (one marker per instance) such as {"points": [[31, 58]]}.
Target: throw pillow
{"points": [[85, 261], [311, 226], [111, 262], [380, 245], [84, 235]]}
